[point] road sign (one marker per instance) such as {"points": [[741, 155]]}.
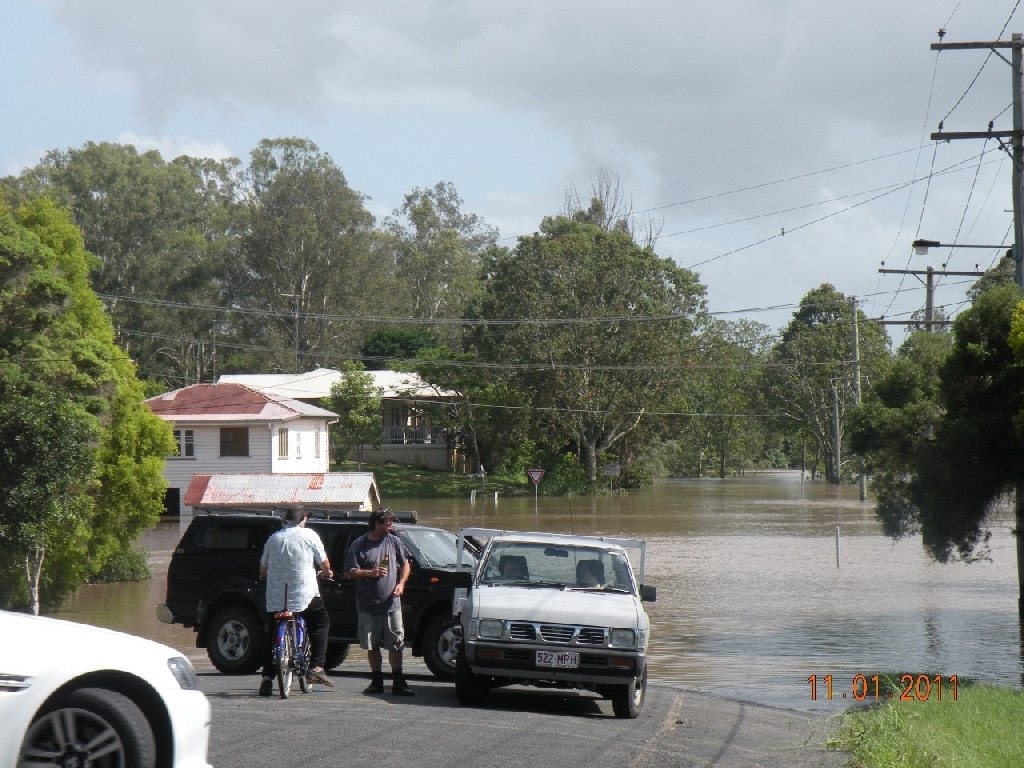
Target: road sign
{"points": [[611, 470], [535, 475]]}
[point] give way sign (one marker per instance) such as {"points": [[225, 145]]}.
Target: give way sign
{"points": [[535, 475]]}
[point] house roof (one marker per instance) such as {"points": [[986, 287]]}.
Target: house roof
{"points": [[231, 403], [334, 490], [317, 384]]}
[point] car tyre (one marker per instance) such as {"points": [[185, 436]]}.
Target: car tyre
{"points": [[236, 641], [441, 642], [470, 689], [628, 699], [93, 726], [336, 655]]}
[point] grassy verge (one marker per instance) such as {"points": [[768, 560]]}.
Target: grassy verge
{"points": [[396, 482], [979, 729]]}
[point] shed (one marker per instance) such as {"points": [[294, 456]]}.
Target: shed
{"points": [[328, 491]]}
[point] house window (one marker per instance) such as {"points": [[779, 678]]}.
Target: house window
{"points": [[316, 443], [185, 441], [234, 441], [282, 443], [298, 445]]}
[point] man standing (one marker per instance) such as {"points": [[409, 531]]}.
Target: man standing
{"points": [[288, 561], [379, 562]]}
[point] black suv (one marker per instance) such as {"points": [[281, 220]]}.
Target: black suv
{"points": [[213, 586]]}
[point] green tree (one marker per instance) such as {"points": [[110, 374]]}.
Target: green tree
{"points": [[811, 378], [357, 401], [56, 340], [162, 233], [306, 257], [394, 346], [594, 329], [438, 251]]}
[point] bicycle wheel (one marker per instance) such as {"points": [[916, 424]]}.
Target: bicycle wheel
{"points": [[302, 665], [284, 656]]}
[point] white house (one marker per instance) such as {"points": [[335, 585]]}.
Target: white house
{"points": [[230, 428], [410, 436]]}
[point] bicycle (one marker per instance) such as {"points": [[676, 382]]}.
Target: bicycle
{"points": [[291, 652]]}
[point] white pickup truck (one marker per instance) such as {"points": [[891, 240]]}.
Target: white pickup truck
{"points": [[553, 610]]}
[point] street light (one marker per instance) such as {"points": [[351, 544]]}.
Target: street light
{"points": [[921, 246]]}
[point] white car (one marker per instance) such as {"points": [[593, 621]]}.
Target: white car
{"points": [[77, 695], [554, 611]]}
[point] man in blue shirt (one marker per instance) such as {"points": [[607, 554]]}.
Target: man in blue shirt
{"points": [[288, 561], [379, 563]]}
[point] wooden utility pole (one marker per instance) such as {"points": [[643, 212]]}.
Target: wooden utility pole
{"points": [[1016, 137], [929, 305]]}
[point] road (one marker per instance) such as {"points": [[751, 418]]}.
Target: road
{"points": [[518, 726]]}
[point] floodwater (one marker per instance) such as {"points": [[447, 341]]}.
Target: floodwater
{"points": [[751, 600]]}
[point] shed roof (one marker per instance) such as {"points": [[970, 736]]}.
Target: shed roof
{"points": [[257, 490]]}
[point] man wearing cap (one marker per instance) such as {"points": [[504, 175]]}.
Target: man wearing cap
{"points": [[288, 561], [379, 563]]}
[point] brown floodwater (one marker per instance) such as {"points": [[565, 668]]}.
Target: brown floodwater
{"points": [[751, 601]]}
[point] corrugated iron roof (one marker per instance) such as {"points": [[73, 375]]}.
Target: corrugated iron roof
{"points": [[230, 402], [317, 384], [339, 490]]}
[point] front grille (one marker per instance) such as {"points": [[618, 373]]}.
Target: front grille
{"points": [[557, 634]]}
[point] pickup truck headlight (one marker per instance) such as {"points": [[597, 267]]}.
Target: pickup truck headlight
{"points": [[492, 629], [623, 638]]}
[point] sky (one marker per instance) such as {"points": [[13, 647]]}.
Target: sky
{"points": [[775, 146]]}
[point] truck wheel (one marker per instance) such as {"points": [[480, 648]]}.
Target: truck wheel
{"points": [[470, 689], [441, 641], [236, 641], [628, 699], [336, 655]]}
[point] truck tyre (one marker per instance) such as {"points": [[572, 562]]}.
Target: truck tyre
{"points": [[441, 641], [336, 655], [470, 689], [628, 699], [236, 641]]}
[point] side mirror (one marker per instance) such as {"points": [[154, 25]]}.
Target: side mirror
{"points": [[648, 593]]}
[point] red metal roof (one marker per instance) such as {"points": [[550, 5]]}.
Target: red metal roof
{"points": [[335, 490]]}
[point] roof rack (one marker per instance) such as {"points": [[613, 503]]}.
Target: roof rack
{"points": [[401, 516]]}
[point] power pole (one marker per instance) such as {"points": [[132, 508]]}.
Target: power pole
{"points": [[929, 305], [862, 480], [1016, 137]]}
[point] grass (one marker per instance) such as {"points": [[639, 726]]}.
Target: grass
{"points": [[979, 729], [399, 482]]}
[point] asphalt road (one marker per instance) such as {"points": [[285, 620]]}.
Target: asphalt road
{"points": [[518, 726]]}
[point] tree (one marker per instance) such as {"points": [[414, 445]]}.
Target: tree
{"points": [[357, 401], [306, 256], [56, 340], [437, 251], [395, 346], [46, 461], [811, 375], [594, 330]]}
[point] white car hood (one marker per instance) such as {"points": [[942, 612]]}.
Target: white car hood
{"points": [[556, 606]]}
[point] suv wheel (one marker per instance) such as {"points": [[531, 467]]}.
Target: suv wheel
{"points": [[441, 641], [236, 641]]}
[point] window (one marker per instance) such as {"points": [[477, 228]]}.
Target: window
{"points": [[298, 445], [234, 441], [316, 443], [282, 443], [185, 440]]}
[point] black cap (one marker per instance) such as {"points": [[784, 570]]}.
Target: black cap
{"points": [[294, 513]]}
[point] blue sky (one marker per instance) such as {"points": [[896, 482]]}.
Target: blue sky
{"points": [[727, 122]]}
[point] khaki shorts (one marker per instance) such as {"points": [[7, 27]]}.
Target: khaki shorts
{"points": [[381, 630]]}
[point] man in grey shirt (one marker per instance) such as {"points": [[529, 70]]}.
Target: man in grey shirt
{"points": [[379, 563], [288, 561]]}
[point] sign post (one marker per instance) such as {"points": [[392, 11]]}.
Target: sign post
{"points": [[535, 476]]}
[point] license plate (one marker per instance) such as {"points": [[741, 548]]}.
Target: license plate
{"points": [[563, 660]]}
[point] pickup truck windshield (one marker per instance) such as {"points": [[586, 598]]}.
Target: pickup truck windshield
{"points": [[565, 567]]}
